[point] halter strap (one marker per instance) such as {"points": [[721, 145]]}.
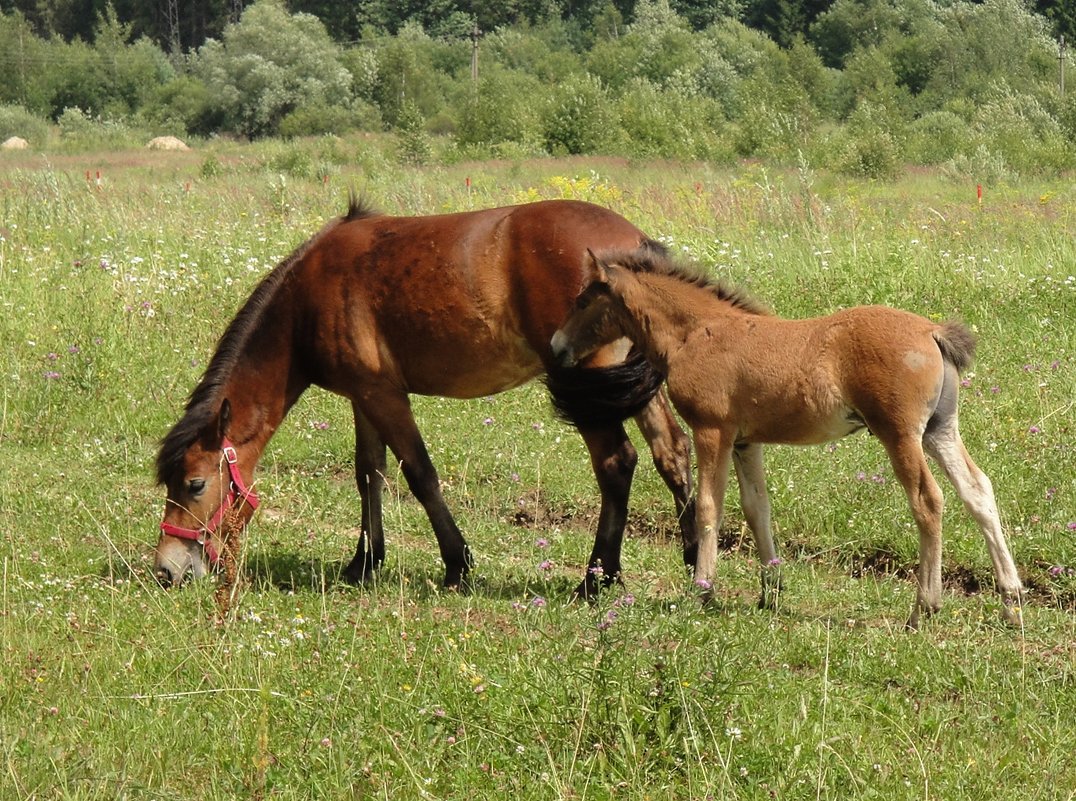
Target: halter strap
{"points": [[237, 489]]}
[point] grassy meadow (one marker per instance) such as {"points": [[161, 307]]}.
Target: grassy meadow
{"points": [[118, 271]]}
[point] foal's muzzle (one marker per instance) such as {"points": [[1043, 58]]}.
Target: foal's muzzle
{"points": [[562, 350]]}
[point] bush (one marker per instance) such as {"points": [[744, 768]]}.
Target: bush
{"points": [[580, 118], [866, 148], [937, 137], [81, 131], [318, 119], [504, 109], [668, 125], [17, 121]]}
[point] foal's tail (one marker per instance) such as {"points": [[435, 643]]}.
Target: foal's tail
{"points": [[597, 397], [957, 345]]}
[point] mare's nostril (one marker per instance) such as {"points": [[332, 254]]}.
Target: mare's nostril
{"points": [[164, 577]]}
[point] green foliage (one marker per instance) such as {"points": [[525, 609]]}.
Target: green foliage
{"points": [[504, 108], [579, 118], [938, 137], [670, 125], [17, 121], [185, 104], [414, 143], [269, 64]]}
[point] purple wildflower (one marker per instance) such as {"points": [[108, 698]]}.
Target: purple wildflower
{"points": [[542, 542], [538, 601], [51, 375]]}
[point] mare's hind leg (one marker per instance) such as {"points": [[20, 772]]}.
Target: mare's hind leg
{"points": [[390, 414], [671, 449], [975, 491], [370, 478], [613, 458], [925, 498], [755, 501]]}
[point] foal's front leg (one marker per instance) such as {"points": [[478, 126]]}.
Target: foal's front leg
{"points": [[714, 452], [755, 501]]}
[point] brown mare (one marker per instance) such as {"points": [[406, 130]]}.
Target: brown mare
{"points": [[375, 308], [740, 378]]}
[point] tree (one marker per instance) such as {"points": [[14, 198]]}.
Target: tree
{"points": [[269, 64]]}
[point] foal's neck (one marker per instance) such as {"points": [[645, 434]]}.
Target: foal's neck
{"points": [[664, 310]]}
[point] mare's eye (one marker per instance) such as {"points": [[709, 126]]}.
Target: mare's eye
{"points": [[196, 486]]}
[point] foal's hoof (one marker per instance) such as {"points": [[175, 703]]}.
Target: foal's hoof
{"points": [[1012, 610]]}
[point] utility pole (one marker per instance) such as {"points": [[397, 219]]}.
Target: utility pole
{"points": [[173, 26], [1061, 64], [474, 52]]}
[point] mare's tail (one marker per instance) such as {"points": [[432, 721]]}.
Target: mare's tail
{"points": [[957, 345], [597, 397]]}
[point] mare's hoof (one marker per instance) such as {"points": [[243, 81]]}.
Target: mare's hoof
{"points": [[359, 572]]}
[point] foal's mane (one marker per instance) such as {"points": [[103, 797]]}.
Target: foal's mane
{"points": [[204, 402], [657, 262]]}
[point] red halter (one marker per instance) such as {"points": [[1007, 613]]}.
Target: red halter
{"points": [[236, 489]]}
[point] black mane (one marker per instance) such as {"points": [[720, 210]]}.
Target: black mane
{"points": [[659, 262], [204, 402]]}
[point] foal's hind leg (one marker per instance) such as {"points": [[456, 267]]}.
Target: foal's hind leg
{"points": [[671, 449], [370, 477], [925, 498], [613, 458], [974, 488], [755, 501]]}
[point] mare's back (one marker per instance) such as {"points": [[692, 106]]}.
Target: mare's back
{"points": [[458, 304]]}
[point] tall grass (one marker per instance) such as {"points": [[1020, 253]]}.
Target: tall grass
{"points": [[112, 294]]}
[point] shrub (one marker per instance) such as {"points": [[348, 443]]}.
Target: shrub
{"points": [[667, 124], [580, 118], [317, 119], [17, 121], [505, 108], [937, 137]]}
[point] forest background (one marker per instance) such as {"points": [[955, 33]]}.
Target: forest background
{"points": [[862, 87]]}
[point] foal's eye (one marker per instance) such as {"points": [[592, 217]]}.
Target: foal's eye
{"points": [[196, 486]]}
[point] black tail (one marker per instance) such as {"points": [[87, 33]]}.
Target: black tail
{"points": [[597, 397]]}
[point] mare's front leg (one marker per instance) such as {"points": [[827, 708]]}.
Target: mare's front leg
{"points": [[671, 449], [755, 500], [713, 450], [389, 413], [370, 478], [613, 458]]}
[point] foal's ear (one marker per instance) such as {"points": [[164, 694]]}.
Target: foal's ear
{"points": [[595, 268]]}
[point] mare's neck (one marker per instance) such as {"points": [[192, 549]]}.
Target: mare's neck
{"points": [[263, 385]]}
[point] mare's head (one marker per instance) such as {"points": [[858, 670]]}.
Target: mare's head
{"points": [[598, 317], [198, 466]]}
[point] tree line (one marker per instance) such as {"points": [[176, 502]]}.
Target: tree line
{"points": [[858, 85]]}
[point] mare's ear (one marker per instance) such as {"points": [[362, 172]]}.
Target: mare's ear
{"points": [[224, 419]]}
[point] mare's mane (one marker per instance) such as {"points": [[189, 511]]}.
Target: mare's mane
{"points": [[204, 402], [656, 261]]}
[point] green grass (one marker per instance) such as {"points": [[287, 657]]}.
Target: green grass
{"points": [[111, 298]]}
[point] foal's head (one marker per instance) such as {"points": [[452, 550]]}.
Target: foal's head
{"points": [[598, 317]]}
